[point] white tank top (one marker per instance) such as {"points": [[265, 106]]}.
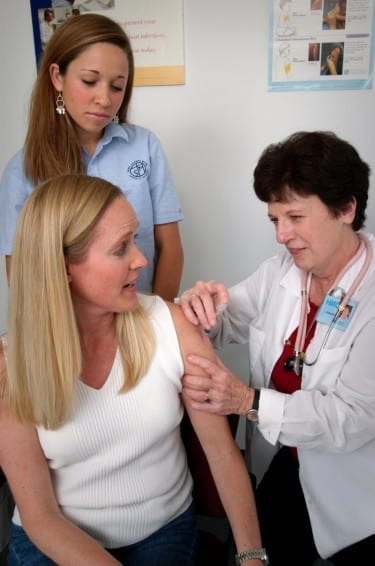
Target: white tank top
{"points": [[118, 463]]}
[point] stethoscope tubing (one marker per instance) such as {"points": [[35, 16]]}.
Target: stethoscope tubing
{"points": [[298, 354]]}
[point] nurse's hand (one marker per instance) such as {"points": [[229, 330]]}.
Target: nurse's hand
{"points": [[203, 303], [221, 392]]}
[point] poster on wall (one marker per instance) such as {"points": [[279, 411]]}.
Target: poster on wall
{"points": [[155, 29], [321, 44]]}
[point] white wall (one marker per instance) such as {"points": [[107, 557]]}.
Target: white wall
{"points": [[213, 129]]}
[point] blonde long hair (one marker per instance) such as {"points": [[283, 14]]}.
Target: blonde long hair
{"points": [[44, 353], [52, 147]]}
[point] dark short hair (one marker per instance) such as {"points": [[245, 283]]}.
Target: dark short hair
{"points": [[314, 163]]}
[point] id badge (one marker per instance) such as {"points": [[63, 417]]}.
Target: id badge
{"points": [[328, 309]]}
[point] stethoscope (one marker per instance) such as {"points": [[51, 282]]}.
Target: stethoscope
{"points": [[298, 360]]}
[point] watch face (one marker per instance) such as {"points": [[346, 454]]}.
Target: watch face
{"points": [[252, 415]]}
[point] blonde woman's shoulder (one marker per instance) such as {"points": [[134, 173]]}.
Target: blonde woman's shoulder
{"points": [[192, 339]]}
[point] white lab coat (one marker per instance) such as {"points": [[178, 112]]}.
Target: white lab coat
{"points": [[331, 420]]}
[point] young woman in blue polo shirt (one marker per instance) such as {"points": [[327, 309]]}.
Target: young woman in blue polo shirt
{"points": [[78, 123]]}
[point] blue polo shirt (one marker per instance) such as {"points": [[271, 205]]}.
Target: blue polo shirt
{"points": [[128, 156]]}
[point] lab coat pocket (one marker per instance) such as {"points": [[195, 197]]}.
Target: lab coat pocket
{"points": [[325, 373]]}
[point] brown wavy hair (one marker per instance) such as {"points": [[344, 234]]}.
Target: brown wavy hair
{"points": [[52, 147]]}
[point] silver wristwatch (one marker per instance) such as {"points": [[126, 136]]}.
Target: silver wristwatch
{"points": [[252, 413], [258, 553]]}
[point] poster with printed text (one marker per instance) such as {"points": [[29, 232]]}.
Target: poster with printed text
{"points": [[155, 29], [321, 44]]}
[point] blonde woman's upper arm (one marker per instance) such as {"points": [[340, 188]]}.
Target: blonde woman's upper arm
{"points": [[213, 430], [192, 339]]}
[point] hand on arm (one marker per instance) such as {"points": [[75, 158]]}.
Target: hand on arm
{"points": [[215, 389], [168, 269], [28, 475], [223, 455], [202, 303]]}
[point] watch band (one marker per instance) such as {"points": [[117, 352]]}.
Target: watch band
{"points": [[252, 413], [255, 405], [258, 553]]}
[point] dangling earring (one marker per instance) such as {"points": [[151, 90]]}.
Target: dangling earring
{"points": [[116, 119], [60, 104]]}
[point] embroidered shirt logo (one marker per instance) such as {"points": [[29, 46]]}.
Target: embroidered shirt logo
{"points": [[138, 169]]}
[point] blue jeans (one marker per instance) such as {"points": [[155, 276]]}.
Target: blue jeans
{"points": [[175, 543], [22, 552]]}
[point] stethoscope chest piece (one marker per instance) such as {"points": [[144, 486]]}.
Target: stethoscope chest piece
{"points": [[294, 363]]}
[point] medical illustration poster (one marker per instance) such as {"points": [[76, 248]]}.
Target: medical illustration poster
{"points": [[155, 29], [321, 44]]}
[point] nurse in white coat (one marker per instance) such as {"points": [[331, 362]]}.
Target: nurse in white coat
{"points": [[311, 401]]}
